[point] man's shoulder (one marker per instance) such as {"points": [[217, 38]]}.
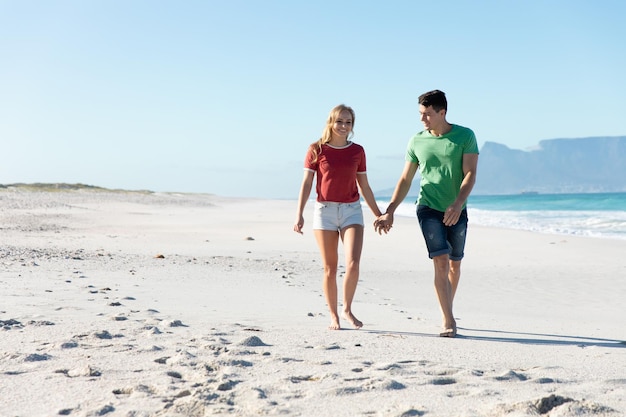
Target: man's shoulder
{"points": [[463, 129], [465, 137], [421, 134]]}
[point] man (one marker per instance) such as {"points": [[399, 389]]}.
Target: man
{"points": [[447, 158]]}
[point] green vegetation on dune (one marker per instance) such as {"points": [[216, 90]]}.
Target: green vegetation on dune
{"points": [[38, 186]]}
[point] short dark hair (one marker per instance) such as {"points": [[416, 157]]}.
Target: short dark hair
{"points": [[436, 99]]}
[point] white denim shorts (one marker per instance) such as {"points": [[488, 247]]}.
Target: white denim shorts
{"points": [[337, 216]]}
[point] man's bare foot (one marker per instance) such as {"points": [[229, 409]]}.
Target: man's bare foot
{"points": [[334, 324], [350, 317], [448, 331]]}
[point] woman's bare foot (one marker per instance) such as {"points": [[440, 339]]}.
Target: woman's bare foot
{"points": [[334, 323], [350, 317]]}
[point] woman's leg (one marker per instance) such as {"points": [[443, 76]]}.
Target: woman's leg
{"points": [[328, 242], [352, 237]]}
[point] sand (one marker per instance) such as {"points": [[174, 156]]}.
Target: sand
{"points": [[147, 304]]}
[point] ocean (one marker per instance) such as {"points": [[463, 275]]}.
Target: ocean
{"points": [[601, 215]]}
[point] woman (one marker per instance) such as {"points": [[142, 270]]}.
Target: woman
{"points": [[339, 165]]}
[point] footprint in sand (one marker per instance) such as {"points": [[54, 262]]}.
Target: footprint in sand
{"points": [[556, 405], [69, 345], [40, 323], [252, 341], [105, 335], [443, 381], [162, 360], [174, 374], [227, 385], [36, 357], [511, 376], [412, 413], [83, 371], [238, 363], [332, 346], [347, 390], [152, 330], [10, 324], [287, 360], [183, 358], [545, 380], [139, 388], [391, 385]]}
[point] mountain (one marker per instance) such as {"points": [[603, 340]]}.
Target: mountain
{"points": [[585, 165]]}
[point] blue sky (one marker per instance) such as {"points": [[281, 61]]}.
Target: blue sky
{"points": [[224, 97]]}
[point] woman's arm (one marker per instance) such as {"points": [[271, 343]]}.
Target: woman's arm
{"points": [[305, 192], [367, 193]]}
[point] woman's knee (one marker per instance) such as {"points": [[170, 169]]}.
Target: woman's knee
{"points": [[330, 271], [352, 267]]}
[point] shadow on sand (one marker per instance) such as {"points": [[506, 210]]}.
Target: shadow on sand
{"points": [[502, 336]]}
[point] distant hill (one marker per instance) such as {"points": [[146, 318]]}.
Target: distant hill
{"points": [[584, 165]]}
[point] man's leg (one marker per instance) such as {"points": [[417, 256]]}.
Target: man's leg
{"points": [[445, 294], [454, 275], [457, 235]]}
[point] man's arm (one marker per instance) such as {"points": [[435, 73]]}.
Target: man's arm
{"points": [[402, 187], [384, 222]]}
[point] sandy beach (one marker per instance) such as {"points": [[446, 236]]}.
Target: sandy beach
{"points": [[164, 304]]}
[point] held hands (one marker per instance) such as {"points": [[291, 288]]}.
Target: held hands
{"points": [[383, 223]]}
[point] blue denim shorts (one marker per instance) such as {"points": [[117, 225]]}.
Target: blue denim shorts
{"points": [[336, 216], [441, 239]]}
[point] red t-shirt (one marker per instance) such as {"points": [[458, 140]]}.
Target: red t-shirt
{"points": [[336, 170]]}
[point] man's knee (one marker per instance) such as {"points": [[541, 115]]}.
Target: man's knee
{"points": [[455, 266], [441, 263]]}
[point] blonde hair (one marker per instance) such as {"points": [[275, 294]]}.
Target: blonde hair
{"points": [[327, 134]]}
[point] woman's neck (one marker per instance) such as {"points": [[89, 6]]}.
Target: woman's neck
{"points": [[338, 141]]}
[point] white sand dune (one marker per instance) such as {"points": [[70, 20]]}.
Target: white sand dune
{"points": [[136, 304]]}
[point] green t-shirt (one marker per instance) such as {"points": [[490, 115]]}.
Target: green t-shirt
{"points": [[440, 161]]}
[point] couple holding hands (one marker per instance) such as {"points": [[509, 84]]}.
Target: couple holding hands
{"points": [[446, 156]]}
